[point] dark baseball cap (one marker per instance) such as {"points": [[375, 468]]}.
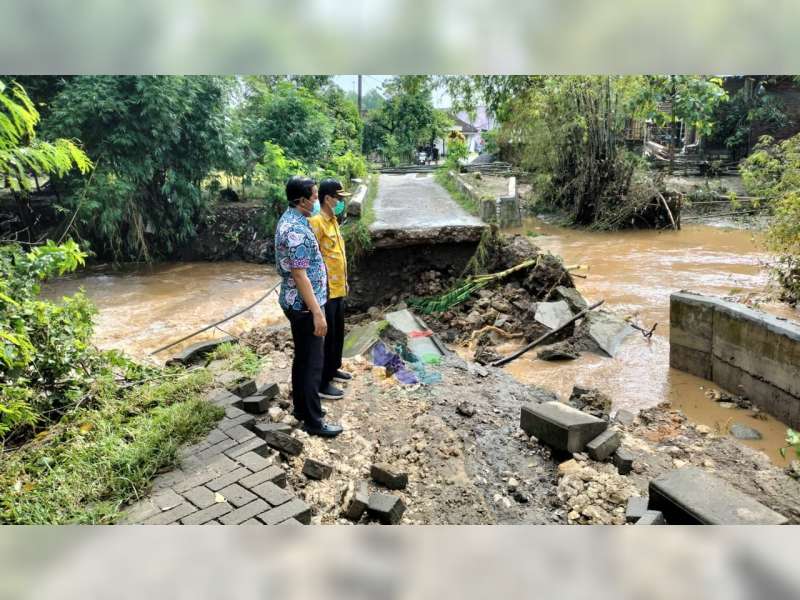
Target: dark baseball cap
{"points": [[332, 187]]}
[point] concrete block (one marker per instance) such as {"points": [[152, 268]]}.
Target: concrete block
{"points": [[274, 474], [261, 429], [255, 405], [245, 388], [200, 496], [389, 476], [689, 496], [553, 314], [386, 508], [691, 320], [208, 515], [228, 478], [637, 506], [245, 420], [604, 445], [354, 501], [256, 445], [623, 460], [253, 461], [283, 442], [272, 493], [691, 361], [295, 509], [240, 434], [652, 517], [248, 511], [560, 426], [173, 515], [269, 390], [237, 495], [314, 469]]}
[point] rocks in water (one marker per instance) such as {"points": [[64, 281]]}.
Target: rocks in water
{"points": [[485, 355], [572, 297], [389, 476], [607, 331], [553, 314], [465, 409], [560, 351], [590, 401], [743, 432]]}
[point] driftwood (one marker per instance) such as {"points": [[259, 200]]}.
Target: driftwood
{"points": [[539, 340], [496, 330], [669, 212]]}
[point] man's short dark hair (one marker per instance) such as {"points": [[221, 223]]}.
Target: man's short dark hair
{"points": [[329, 187], [298, 188]]}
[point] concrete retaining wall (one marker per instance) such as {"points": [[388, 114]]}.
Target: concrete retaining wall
{"points": [[742, 350], [504, 210]]}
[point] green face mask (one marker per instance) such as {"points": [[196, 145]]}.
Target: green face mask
{"points": [[339, 208]]}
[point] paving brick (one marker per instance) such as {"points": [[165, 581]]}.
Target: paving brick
{"points": [[256, 445], [193, 449], [295, 509], [227, 479], [223, 398], [245, 420], [244, 388], [652, 517], [248, 511], [261, 429], [254, 462], [212, 470], [237, 495], [387, 475], [354, 501], [637, 506], [623, 460], [206, 515], [274, 474], [272, 493], [240, 434], [689, 496], [216, 436], [231, 412], [560, 426], [269, 390], [172, 515], [216, 449], [168, 479], [604, 445], [255, 405], [386, 508], [314, 469], [142, 510], [167, 499], [253, 521], [200, 496], [283, 442]]}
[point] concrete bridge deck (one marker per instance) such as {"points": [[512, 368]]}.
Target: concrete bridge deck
{"points": [[413, 209]]}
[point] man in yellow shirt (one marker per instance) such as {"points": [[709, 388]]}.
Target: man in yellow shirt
{"points": [[326, 229]]}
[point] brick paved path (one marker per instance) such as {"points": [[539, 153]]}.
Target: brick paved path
{"points": [[230, 478]]}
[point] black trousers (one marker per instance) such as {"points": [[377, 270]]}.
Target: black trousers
{"points": [[306, 367], [334, 339]]}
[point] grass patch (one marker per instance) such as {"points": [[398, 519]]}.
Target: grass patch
{"points": [[95, 460], [240, 358], [466, 202], [357, 238]]}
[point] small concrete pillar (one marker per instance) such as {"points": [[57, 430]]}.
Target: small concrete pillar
{"points": [[489, 210]]}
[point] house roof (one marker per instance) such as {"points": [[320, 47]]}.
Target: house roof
{"points": [[465, 127]]}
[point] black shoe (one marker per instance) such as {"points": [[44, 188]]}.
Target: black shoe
{"points": [[330, 392], [342, 376], [324, 430]]}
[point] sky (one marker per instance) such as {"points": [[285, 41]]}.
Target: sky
{"points": [[349, 83]]}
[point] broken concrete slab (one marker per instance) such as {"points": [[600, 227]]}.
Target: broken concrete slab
{"points": [[553, 314], [652, 517], [389, 476], [189, 354], [572, 297], [362, 338], [386, 508], [604, 445], [637, 506], [608, 331], [689, 496], [560, 425]]}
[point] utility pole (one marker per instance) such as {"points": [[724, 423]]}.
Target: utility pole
{"points": [[360, 114]]}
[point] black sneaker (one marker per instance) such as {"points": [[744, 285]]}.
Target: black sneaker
{"points": [[342, 376], [330, 392], [324, 430]]}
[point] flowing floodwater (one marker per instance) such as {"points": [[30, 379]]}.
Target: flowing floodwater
{"points": [[635, 272], [142, 308]]}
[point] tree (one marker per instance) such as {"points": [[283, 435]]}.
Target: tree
{"points": [[154, 139]]}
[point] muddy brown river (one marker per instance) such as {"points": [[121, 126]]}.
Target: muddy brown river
{"points": [[143, 308]]}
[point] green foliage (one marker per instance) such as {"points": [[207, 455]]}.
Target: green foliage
{"points": [[85, 468], [154, 140], [240, 358], [357, 238], [456, 152], [271, 173], [22, 154], [772, 172], [348, 166], [466, 202], [792, 443]]}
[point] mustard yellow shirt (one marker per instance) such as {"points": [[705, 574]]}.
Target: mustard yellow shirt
{"points": [[331, 245]]}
